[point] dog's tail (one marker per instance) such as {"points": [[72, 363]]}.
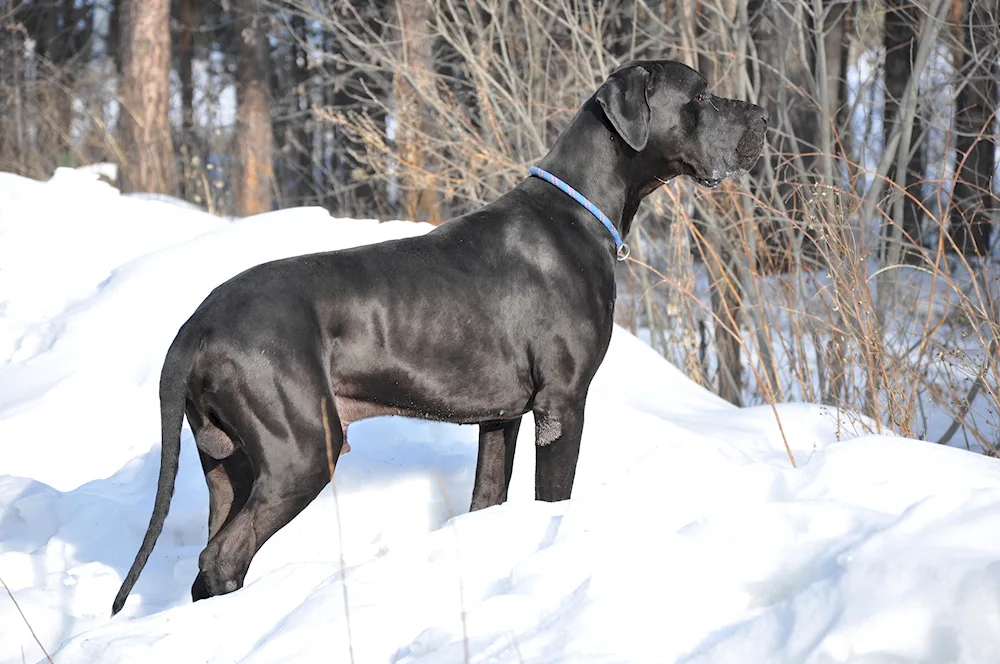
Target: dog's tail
{"points": [[173, 388]]}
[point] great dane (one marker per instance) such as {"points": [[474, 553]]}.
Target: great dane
{"points": [[500, 312]]}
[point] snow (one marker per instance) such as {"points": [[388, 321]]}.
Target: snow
{"points": [[689, 538]]}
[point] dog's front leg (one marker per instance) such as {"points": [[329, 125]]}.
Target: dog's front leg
{"points": [[557, 449], [495, 463]]}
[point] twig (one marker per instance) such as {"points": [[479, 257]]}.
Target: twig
{"points": [[458, 563], [735, 334], [331, 464], [27, 624], [963, 410]]}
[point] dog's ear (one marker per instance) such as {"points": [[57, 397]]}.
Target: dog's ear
{"points": [[626, 104]]}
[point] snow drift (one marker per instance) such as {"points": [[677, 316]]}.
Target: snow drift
{"points": [[689, 537]]}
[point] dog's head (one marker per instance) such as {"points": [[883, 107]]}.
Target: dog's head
{"points": [[664, 111]]}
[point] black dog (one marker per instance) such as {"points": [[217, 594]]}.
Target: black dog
{"points": [[500, 312]]}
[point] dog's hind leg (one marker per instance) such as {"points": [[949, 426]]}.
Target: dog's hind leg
{"points": [[227, 469], [273, 502], [292, 469], [495, 462], [229, 482]]}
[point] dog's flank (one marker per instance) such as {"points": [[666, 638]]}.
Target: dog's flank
{"points": [[504, 311]]}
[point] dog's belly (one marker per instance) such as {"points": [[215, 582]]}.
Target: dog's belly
{"points": [[350, 410], [354, 409]]}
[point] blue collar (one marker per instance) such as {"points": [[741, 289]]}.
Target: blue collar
{"points": [[622, 248]]}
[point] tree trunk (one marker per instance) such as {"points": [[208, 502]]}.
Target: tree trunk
{"points": [[420, 203], [145, 126], [115, 34], [836, 42], [188, 19], [12, 132], [972, 201], [351, 188], [62, 33], [843, 121], [902, 22], [254, 140], [783, 72], [302, 114], [190, 160], [284, 107], [784, 37]]}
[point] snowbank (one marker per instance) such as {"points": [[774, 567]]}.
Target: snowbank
{"points": [[689, 537]]}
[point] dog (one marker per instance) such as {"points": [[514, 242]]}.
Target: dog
{"points": [[502, 311]]}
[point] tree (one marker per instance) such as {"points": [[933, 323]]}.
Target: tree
{"points": [[254, 137], [188, 20], [147, 144], [900, 40], [975, 107], [302, 114], [350, 184], [420, 203]]}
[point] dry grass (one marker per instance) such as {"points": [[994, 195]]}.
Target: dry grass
{"points": [[796, 284]]}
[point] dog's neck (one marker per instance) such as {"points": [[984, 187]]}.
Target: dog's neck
{"points": [[603, 172]]}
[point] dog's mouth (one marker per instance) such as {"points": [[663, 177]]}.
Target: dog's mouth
{"points": [[710, 180]]}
